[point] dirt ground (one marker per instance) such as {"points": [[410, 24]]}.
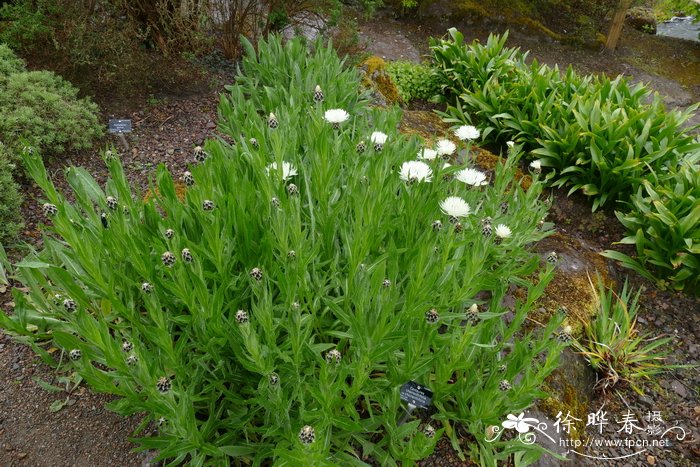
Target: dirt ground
{"points": [[85, 433]]}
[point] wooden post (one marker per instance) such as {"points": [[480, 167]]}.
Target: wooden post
{"points": [[617, 23]]}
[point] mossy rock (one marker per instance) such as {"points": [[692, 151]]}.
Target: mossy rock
{"points": [[375, 77], [642, 19], [572, 288]]}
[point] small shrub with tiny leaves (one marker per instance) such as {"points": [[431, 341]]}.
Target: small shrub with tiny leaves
{"points": [[414, 81], [10, 199], [43, 110], [242, 353]]}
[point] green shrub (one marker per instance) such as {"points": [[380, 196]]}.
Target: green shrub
{"points": [[663, 222], [298, 298], [414, 81], [44, 110], [10, 199], [26, 22], [9, 62]]}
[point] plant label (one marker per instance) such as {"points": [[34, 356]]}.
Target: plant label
{"points": [[119, 125], [416, 395]]}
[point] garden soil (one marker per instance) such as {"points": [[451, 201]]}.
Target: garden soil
{"points": [[83, 432]]}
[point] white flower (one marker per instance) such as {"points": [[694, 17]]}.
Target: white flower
{"points": [[536, 165], [288, 170], [520, 423], [336, 116], [467, 132], [455, 206], [415, 171], [427, 154], [445, 147], [503, 231], [378, 137], [510, 144], [471, 177]]}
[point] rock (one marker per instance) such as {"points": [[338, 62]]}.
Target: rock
{"points": [[679, 389], [651, 460]]}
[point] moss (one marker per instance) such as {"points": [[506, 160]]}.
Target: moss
{"points": [[423, 123], [565, 398], [376, 77], [571, 285]]}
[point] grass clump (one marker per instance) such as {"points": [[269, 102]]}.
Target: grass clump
{"points": [[614, 347]]}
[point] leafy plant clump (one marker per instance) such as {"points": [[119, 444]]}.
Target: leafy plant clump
{"points": [[311, 270], [613, 345], [606, 138], [44, 110], [414, 81], [600, 136], [663, 222]]}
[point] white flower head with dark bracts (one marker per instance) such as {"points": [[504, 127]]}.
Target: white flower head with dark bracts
{"points": [[455, 207], [163, 384], [288, 170], [75, 354], [427, 154], [336, 117], [536, 166], [199, 154], [207, 205], [415, 171], [503, 231], [168, 258], [471, 177], [132, 360], [429, 431], [307, 435], [188, 178], [467, 132], [49, 209], [169, 233], [272, 121], [256, 273], [445, 147], [378, 138], [333, 356], [112, 202], [186, 255], [505, 385], [69, 304], [127, 346], [242, 317], [432, 316], [318, 94], [510, 144]]}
